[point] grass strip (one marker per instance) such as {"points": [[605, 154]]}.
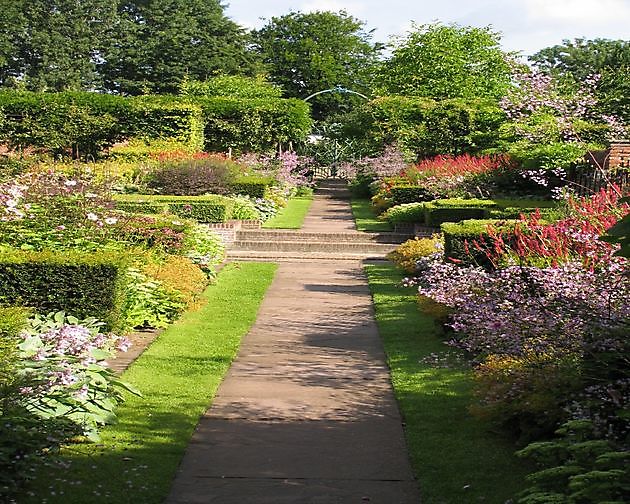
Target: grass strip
{"points": [[178, 376], [454, 455], [292, 216], [365, 218]]}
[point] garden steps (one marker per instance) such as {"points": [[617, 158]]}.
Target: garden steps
{"points": [[314, 246], [274, 256], [298, 235]]}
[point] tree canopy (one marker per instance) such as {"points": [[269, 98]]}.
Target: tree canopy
{"points": [[581, 58], [447, 61], [310, 52], [123, 46]]}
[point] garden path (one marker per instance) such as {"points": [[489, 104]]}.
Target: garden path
{"points": [[306, 413]]}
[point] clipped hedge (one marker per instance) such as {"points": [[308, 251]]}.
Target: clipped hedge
{"points": [[400, 194], [81, 284], [87, 122], [425, 127], [454, 210], [205, 209], [459, 238], [252, 186], [406, 212], [253, 124]]}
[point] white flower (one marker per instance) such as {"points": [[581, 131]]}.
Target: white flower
{"points": [[92, 216], [91, 195], [111, 220], [11, 203], [71, 183]]}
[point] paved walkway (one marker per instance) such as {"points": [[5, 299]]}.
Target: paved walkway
{"points": [[306, 413]]}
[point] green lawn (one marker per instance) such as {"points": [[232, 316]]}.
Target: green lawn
{"points": [[291, 216], [178, 376], [456, 458], [365, 218]]}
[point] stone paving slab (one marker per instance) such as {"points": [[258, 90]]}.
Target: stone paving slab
{"points": [[345, 450], [296, 491], [306, 413]]}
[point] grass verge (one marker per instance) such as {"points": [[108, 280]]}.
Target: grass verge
{"points": [[291, 216], [365, 218], [178, 376], [455, 457]]}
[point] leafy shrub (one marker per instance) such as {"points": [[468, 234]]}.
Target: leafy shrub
{"points": [[406, 212], [201, 208], [464, 241], [425, 127], [576, 466], [59, 388], [408, 253], [232, 86], [253, 186], [147, 303], [253, 125], [455, 210], [401, 194], [192, 177], [204, 247], [244, 209], [181, 275], [81, 284], [84, 123]]}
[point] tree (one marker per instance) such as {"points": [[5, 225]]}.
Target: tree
{"points": [[310, 52], [160, 42], [53, 44], [439, 62], [579, 59]]}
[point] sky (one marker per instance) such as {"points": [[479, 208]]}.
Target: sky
{"points": [[526, 25]]}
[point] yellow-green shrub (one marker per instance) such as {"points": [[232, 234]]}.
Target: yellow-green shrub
{"points": [[521, 392], [409, 252], [181, 275]]}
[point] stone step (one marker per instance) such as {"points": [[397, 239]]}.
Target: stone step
{"points": [[273, 256], [289, 235], [314, 246]]}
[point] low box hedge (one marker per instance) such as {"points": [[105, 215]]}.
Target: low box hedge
{"points": [[459, 238], [205, 209], [81, 284], [252, 186], [454, 210], [400, 194]]}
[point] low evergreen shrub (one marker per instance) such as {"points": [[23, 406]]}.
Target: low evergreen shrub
{"points": [[80, 284]]}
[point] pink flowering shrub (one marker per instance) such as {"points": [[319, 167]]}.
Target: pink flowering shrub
{"points": [[56, 386], [547, 326], [288, 168]]}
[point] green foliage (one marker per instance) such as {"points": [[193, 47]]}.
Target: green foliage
{"points": [[365, 216], [200, 208], [254, 186], [454, 210], [405, 212], [51, 46], [459, 238], [292, 215], [178, 376], [311, 52], [84, 123], [576, 467], [253, 125], [580, 58], [234, 86], [244, 209], [156, 45], [401, 194], [80, 284], [408, 253], [424, 127], [447, 61]]}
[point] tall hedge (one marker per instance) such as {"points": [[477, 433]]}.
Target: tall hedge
{"points": [[85, 123], [88, 122], [424, 126], [253, 124], [81, 284]]}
